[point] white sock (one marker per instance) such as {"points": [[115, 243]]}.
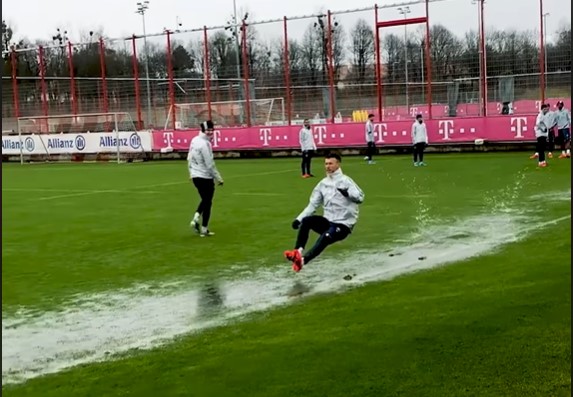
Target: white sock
{"points": [[568, 151], [300, 250], [196, 217], [203, 229]]}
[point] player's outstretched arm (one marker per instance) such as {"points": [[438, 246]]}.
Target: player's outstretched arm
{"points": [[314, 202], [355, 194], [210, 165]]}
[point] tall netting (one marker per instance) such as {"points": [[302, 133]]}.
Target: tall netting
{"points": [[513, 57], [354, 56]]}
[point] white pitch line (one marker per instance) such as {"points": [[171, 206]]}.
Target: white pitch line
{"points": [[77, 194]]}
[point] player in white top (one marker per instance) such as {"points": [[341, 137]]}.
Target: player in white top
{"points": [[369, 136], [203, 173], [419, 140], [563, 120], [307, 147], [543, 123], [339, 197]]}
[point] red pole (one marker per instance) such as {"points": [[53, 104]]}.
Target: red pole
{"points": [[542, 53], [72, 79], [377, 70], [246, 73], [43, 80], [170, 76], [103, 80], [14, 63], [428, 61], [136, 78], [207, 72], [331, 67], [287, 71], [483, 69]]}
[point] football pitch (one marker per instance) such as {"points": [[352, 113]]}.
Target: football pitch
{"points": [[455, 281]]}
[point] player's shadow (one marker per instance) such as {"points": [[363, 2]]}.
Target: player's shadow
{"points": [[211, 299], [298, 289]]}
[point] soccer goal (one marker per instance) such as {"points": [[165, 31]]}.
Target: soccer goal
{"points": [[81, 137], [269, 111]]}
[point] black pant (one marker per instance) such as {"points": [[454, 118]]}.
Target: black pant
{"points": [[306, 159], [206, 189], [551, 140], [564, 137], [329, 234], [419, 151], [370, 150], [540, 148]]}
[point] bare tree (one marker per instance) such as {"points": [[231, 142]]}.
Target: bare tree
{"points": [[362, 49]]}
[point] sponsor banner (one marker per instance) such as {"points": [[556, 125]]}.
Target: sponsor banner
{"points": [[519, 107], [95, 142], [443, 131]]}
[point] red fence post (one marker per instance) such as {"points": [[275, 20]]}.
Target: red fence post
{"points": [[246, 73], [330, 59], [483, 68], [207, 73], [136, 79], [14, 64], [103, 80], [170, 77], [378, 72], [42, 66], [287, 71], [542, 53], [428, 61], [72, 79]]}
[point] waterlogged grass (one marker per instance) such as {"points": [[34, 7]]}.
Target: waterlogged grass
{"points": [[495, 325]]}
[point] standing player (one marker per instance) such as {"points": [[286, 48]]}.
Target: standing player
{"points": [[419, 140], [369, 133], [542, 124], [308, 147], [339, 196], [203, 173], [563, 119]]}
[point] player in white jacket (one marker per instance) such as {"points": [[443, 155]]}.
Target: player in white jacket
{"points": [[203, 173], [369, 136], [339, 196], [563, 120], [419, 140], [307, 147], [543, 122]]}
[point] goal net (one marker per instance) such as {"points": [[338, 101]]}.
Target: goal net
{"points": [[81, 137], [269, 111]]}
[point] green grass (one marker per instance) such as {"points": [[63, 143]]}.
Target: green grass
{"points": [[497, 325]]}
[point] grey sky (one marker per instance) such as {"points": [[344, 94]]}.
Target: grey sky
{"points": [[38, 19]]}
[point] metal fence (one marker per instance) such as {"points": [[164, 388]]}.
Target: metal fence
{"points": [[391, 60]]}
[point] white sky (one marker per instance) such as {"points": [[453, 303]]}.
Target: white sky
{"points": [[38, 19]]}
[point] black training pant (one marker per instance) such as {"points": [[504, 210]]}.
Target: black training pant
{"points": [[540, 147], [206, 189], [419, 151], [306, 160], [329, 234]]}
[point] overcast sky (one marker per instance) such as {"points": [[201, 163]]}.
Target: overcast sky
{"points": [[39, 19]]}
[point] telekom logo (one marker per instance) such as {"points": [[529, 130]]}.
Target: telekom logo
{"points": [[168, 138], [379, 130], [446, 128], [320, 132], [265, 135], [518, 126], [216, 138]]}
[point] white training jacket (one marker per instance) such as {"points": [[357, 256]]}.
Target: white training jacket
{"points": [[369, 131], [543, 123], [336, 207], [306, 139], [563, 119], [200, 159], [419, 133]]}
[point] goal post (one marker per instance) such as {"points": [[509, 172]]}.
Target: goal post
{"points": [[82, 137], [268, 111]]}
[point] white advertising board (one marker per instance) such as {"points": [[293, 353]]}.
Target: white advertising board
{"points": [[90, 142]]}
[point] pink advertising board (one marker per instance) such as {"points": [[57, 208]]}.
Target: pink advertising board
{"points": [[441, 131]]}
